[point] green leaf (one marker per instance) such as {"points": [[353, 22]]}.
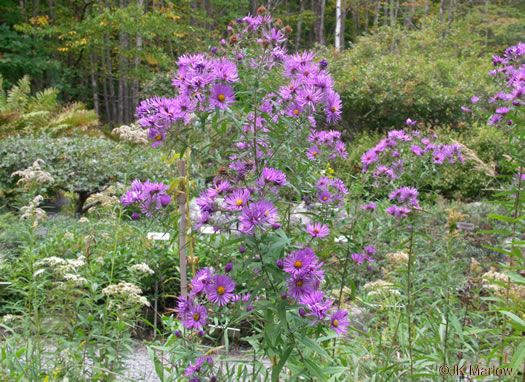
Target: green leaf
{"points": [[156, 362], [277, 369], [312, 367], [312, 345], [518, 357], [518, 321]]}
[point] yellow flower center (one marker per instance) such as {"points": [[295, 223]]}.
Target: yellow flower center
{"points": [[196, 316], [325, 198], [266, 213], [158, 137], [306, 72], [238, 202], [298, 264], [299, 283], [315, 153], [334, 109], [296, 111], [221, 97], [336, 323], [221, 290], [316, 230]]}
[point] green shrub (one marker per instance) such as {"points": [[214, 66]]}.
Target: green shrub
{"points": [[395, 74], [83, 165]]}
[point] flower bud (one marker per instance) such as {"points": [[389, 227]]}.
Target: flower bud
{"points": [[228, 267]]}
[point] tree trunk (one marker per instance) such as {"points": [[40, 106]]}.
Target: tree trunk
{"points": [[366, 17], [299, 25], [338, 25], [376, 13], [35, 6], [107, 110], [319, 9], [94, 84], [122, 72], [138, 44]]}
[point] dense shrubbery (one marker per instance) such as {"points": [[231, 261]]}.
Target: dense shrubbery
{"points": [[395, 73], [83, 165]]}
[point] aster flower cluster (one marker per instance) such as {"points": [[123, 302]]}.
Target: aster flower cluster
{"points": [[407, 202], [390, 149], [217, 289], [331, 190], [303, 286], [223, 198], [150, 197], [512, 67], [330, 140], [198, 367]]}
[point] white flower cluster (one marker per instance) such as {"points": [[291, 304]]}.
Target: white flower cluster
{"points": [[142, 268], [515, 291], [376, 287], [397, 257], [8, 318], [33, 174], [105, 198], [132, 134], [32, 212], [127, 291], [63, 267]]}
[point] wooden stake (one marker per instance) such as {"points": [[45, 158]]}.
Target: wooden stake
{"points": [[181, 199]]}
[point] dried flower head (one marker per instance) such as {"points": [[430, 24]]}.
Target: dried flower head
{"points": [[132, 134], [33, 175]]}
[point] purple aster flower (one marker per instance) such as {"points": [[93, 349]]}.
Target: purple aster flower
{"points": [[417, 150], [466, 109], [220, 289], [312, 153], [399, 212], [503, 110], [222, 96], [308, 96], [368, 158], [474, 99], [317, 304], [340, 149], [260, 214], [409, 122], [333, 107], [196, 317], [323, 64], [194, 368], [325, 197], [358, 258], [272, 175], [340, 322], [275, 36], [300, 285], [225, 70], [369, 207], [299, 261], [201, 280], [370, 250], [237, 199], [318, 230]]}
